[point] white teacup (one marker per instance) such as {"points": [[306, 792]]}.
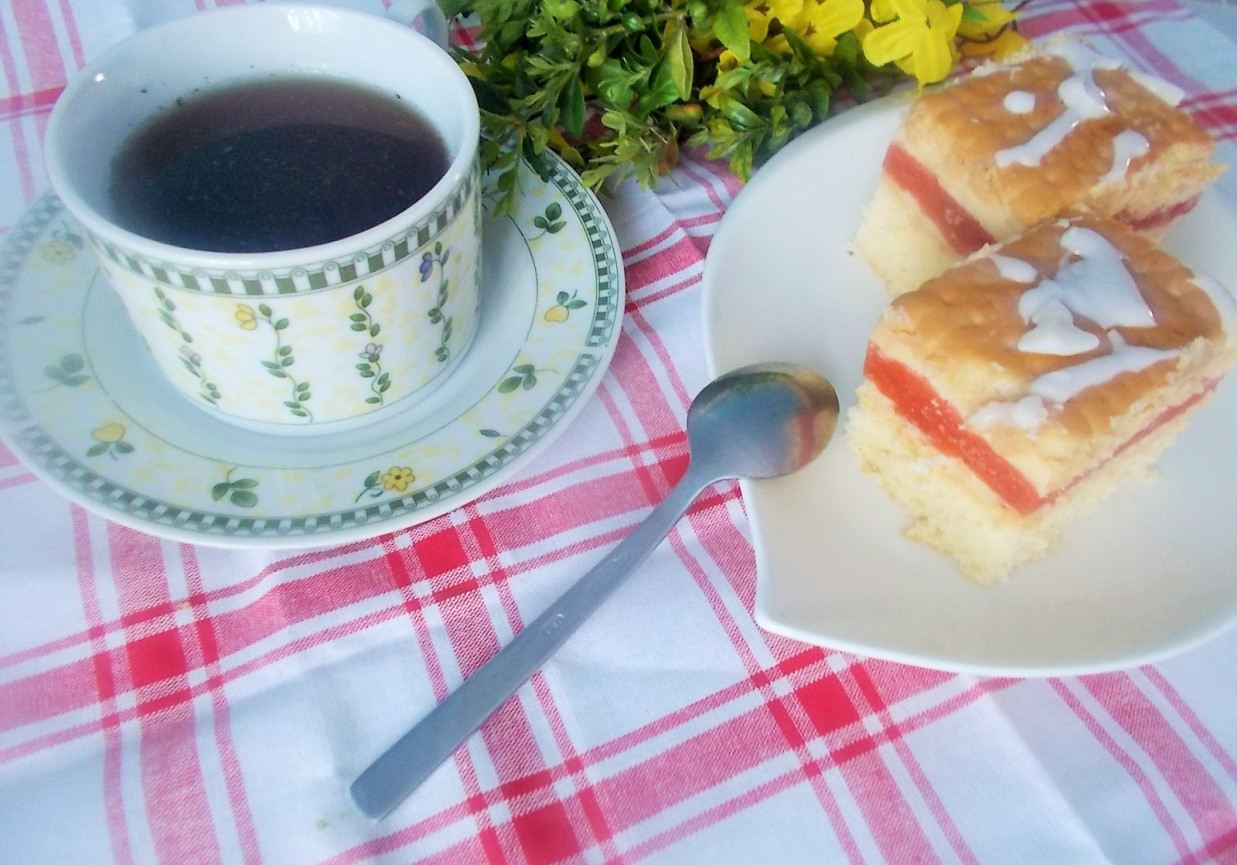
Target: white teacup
{"points": [[311, 339]]}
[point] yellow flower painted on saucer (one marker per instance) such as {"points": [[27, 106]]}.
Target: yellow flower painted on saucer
{"points": [[246, 317], [821, 22], [109, 439], [918, 37], [109, 433], [397, 478]]}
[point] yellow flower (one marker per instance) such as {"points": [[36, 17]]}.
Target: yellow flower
{"points": [[762, 13], [919, 39], [994, 34], [246, 317], [397, 478], [821, 22]]}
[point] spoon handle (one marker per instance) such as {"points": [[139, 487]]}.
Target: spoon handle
{"points": [[402, 768]]}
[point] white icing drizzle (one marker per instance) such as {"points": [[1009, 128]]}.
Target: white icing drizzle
{"points": [[1159, 88], [1064, 384], [1028, 413], [1092, 282], [1126, 147], [1014, 269], [1096, 284], [1083, 101], [1053, 332], [1019, 102]]}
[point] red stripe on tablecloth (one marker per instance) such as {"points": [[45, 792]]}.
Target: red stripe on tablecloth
{"points": [[715, 173], [409, 566], [174, 791], [650, 246], [565, 507], [649, 406], [671, 260], [1215, 111], [22, 104], [75, 36], [42, 60], [1188, 715], [9, 64], [541, 824], [1123, 759], [233, 778], [113, 792], [1129, 707]]}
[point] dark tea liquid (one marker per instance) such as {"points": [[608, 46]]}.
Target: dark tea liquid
{"points": [[274, 164]]}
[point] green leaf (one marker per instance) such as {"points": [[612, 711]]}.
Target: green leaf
{"points": [[571, 107], [730, 27], [72, 362], [244, 499], [97, 449], [678, 58], [244, 484], [371, 479], [509, 384], [220, 490]]}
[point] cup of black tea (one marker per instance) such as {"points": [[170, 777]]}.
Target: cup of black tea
{"points": [[286, 199]]}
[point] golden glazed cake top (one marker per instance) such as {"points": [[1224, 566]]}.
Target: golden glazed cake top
{"points": [[1062, 344], [1021, 142]]}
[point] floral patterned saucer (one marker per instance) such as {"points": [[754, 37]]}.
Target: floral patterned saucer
{"points": [[82, 404]]}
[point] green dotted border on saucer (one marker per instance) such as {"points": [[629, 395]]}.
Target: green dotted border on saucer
{"points": [[300, 279], [46, 453]]}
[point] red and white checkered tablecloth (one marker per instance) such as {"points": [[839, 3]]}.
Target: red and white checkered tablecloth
{"points": [[162, 702]]}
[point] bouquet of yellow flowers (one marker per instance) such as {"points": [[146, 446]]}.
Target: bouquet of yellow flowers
{"points": [[618, 87]]}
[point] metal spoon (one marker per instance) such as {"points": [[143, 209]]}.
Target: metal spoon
{"points": [[756, 422]]}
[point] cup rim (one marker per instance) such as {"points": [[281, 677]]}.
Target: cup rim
{"points": [[188, 258]]}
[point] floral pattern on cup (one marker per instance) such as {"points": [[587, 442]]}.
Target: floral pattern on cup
{"points": [[377, 329]]}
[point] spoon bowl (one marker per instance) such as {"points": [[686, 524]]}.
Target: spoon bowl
{"points": [[760, 421]]}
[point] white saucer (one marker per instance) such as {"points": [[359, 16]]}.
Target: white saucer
{"points": [[82, 404]]}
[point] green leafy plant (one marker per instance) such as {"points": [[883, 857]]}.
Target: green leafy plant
{"points": [[619, 87]]}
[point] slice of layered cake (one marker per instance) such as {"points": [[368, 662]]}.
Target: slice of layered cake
{"points": [[1011, 145], [1012, 393]]}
